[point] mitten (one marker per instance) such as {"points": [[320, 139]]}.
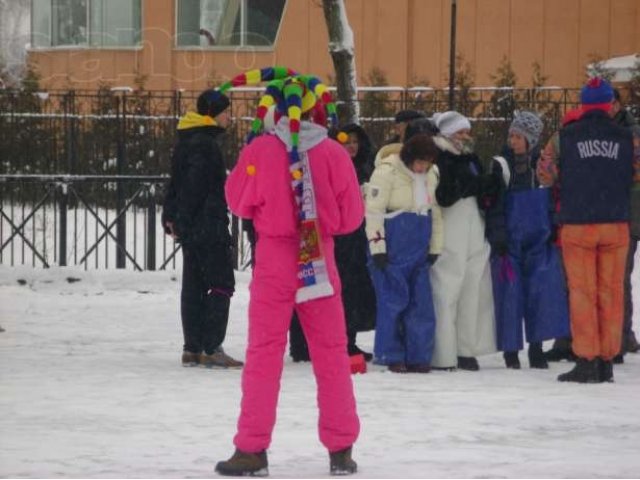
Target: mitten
{"points": [[500, 248], [380, 260]]}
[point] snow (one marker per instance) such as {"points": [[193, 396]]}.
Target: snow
{"points": [[92, 387], [346, 42], [620, 67]]}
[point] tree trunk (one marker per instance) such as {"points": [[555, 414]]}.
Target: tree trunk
{"points": [[341, 48]]}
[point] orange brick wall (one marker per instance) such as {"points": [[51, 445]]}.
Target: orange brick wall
{"points": [[407, 39]]}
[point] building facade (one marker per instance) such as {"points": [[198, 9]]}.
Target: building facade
{"points": [[189, 44]]}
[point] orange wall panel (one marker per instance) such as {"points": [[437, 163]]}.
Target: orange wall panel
{"points": [[595, 25], [624, 27], [493, 30], [527, 38], [426, 62], [561, 34], [407, 39], [466, 33]]}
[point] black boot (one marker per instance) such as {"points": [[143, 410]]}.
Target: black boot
{"points": [[468, 363], [355, 350], [536, 356], [341, 463], [606, 370], [618, 359], [561, 350], [630, 343], [585, 371], [244, 464], [511, 360]]}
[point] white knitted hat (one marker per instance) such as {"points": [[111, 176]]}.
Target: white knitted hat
{"points": [[451, 122]]}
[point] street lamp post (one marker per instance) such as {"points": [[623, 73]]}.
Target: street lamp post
{"points": [[452, 55]]}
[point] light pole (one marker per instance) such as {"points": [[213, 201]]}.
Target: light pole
{"points": [[452, 55]]}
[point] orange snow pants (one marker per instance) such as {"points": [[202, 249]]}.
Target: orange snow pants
{"points": [[594, 258]]}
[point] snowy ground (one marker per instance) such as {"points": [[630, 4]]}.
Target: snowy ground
{"points": [[91, 386]]}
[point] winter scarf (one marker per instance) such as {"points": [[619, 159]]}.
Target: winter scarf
{"points": [[313, 279]]}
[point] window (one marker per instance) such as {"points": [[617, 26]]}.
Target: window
{"points": [[97, 23], [223, 23]]}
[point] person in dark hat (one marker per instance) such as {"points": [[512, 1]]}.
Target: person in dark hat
{"points": [[594, 157], [624, 118], [402, 119], [195, 214]]}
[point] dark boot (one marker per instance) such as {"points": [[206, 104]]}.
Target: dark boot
{"points": [[618, 359], [419, 368], [468, 363], [536, 356], [398, 368], [341, 463], [190, 359], [218, 359], [244, 464], [511, 360], [606, 370], [561, 350], [585, 371], [355, 350], [630, 343]]}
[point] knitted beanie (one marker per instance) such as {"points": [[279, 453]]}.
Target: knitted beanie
{"points": [[407, 116], [212, 103], [529, 125], [597, 93], [451, 122]]}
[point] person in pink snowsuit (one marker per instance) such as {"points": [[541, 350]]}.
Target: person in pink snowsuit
{"points": [[259, 188]]}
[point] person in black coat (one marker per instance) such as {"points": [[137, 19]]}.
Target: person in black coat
{"points": [[195, 214], [358, 295]]}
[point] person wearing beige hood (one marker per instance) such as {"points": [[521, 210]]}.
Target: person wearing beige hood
{"points": [[404, 229]]}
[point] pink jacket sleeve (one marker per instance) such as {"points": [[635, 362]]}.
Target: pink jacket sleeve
{"points": [[348, 194], [240, 188]]}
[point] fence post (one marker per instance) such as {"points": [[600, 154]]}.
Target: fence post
{"points": [[121, 225], [64, 202], [151, 228]]}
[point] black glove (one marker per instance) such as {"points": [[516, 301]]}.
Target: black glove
{"points": [[380, 260], [432, 258], [500, 248]]}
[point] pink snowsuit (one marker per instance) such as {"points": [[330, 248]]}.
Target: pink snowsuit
{"points": [[259, 188]]}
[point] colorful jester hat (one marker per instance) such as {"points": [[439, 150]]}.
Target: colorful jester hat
{"points": [[292, 95], [254, 77]]}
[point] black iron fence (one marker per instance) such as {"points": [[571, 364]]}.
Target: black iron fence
{"points": [[82, 173], [93, 221]]}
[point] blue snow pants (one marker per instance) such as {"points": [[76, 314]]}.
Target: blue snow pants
{"points": [[529, 282], [405, 321]]}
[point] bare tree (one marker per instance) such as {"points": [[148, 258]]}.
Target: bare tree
{"points": [[342, 50]]}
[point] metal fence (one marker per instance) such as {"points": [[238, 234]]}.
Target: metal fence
{"points": [[82, 174], [93, 221]]}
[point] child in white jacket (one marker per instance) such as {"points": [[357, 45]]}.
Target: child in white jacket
{"points": [[405, 233]]}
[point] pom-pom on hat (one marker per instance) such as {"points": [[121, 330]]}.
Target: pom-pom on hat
{"points": [[451, 122], [529, 125], [597, 93]]}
